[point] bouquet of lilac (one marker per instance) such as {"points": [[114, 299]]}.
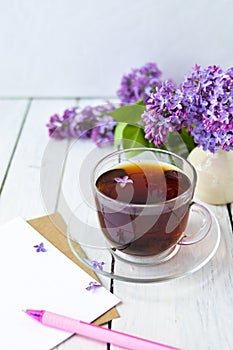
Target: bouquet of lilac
{"points": [[203, 104], [199, 110]]}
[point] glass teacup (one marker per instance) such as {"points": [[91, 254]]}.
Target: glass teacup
{"points": [[143, 198]]}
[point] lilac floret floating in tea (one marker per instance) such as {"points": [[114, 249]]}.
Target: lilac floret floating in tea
{"points": [[93, 285], [97, 265], [123, 181], [40, 248]]}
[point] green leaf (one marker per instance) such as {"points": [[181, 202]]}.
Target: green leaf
{"points": [[133, 136], [130, 114], [140, 102], [118, 134], [187, 138]]}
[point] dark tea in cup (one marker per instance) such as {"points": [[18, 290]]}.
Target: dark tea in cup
{"points": [[150, 184], [143, 199]]}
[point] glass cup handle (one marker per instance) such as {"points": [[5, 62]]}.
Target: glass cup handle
{"points": [[203, 227]]}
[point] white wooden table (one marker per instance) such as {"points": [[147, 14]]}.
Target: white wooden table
{"points": [[194, 312]]}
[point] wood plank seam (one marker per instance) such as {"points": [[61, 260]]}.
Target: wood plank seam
{"points": [[230, 215], [34, 97]]}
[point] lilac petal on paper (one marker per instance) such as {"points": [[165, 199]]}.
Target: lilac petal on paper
{"points": [[40, 247], [123, 181], [93, 285], [97, 265]]}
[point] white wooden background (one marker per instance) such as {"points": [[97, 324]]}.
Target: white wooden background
{"points": [[192, 313]]}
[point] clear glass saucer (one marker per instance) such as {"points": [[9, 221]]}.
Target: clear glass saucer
{"points": [[88, 244]]}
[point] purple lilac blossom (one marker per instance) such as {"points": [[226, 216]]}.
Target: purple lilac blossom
{"points": [[93, 285], [103, 130], [90, 122], [203, 104], [210, 107], [40, 248], [97, 265], [139, 83], [164, 113], [123, 181], [64, 126]]}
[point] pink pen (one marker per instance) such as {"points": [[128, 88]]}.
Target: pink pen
{"points": [[94, 332]]}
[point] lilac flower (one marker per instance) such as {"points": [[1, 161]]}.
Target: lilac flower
{"points": [[40, 247], [93, 285], [164, 112], [97, 265], [123, 181], [90, 122], [203, 104], [103, 131], [210, 107], [63, 126], [139, 83]]}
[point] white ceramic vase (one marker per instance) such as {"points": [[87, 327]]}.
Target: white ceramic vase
{"points": [[214, 175]]}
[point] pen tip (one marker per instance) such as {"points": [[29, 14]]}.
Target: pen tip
{"points": [[36, 314]]}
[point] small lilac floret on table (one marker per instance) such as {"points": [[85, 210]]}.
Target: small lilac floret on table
{"points": [[93, 285], [97, 265], [40, 247]]}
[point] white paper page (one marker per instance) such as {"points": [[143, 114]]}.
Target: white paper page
{"points": [[41, 280]]}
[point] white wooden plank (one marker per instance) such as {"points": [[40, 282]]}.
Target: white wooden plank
{"points": [[12, 114], [193, 312], [22, 193]]}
